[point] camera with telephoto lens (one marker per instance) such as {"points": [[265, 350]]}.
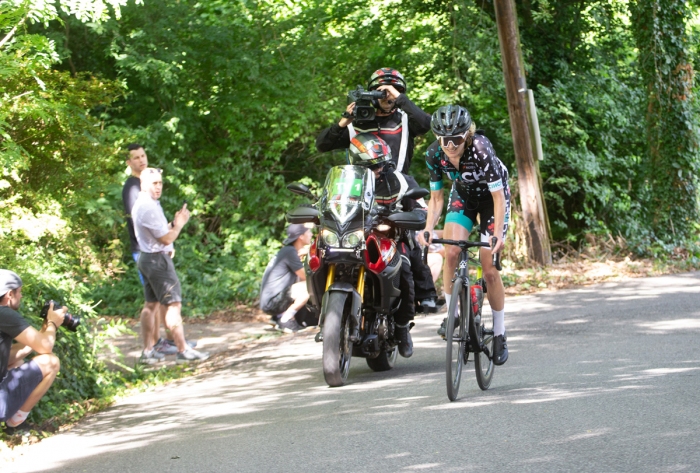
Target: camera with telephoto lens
{"points": [[364, 102], [70, 321]]}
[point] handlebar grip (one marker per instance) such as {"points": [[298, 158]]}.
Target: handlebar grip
{"points": [[426, 235], [496, 256]]}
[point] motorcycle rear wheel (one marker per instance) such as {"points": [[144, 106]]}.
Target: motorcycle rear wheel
{"points": [[385, 361], [337, 347]]}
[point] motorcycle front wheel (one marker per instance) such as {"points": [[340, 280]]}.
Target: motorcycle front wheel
{"points": [[337, 347]]}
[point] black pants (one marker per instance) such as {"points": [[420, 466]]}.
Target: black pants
{"points": [[407, 310], [422, 277]]}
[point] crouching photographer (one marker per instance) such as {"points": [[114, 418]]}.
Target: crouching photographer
{"points": [[22, 383]]}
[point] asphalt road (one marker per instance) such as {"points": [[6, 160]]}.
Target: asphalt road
{"points": [[600, 379]]}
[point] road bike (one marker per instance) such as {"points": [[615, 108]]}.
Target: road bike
{"points": [[467, 330]]}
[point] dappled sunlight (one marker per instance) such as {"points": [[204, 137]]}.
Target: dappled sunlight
{"points": [[668, 325], [574, 321]]}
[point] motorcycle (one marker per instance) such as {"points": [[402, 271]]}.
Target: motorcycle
{"points": [[353, 268]]}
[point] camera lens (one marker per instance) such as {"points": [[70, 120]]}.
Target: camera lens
{"points": [[363, 113]]}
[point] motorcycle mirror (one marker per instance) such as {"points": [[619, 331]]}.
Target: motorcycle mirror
{"points": [[301, 189]]}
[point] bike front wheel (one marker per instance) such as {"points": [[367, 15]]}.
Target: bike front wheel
{"points": [[483, 337], [456, 336]]}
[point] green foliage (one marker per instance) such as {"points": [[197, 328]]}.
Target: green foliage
{"points": [[672, 164]]}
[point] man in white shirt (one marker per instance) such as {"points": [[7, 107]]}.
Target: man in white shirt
{"points": [[161, 286]]}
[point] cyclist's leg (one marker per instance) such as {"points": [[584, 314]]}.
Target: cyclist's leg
{"points": [[494, 283], [458, 223]]}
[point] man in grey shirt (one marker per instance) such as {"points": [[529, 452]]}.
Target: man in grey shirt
{"points": [[155, 237]]}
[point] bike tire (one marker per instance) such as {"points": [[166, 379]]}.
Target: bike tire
{"points": [[337, 348], [385, 361], [482, 329], [456, 354]]}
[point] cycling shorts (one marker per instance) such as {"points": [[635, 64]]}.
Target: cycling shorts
{"points": [[463, 211]]}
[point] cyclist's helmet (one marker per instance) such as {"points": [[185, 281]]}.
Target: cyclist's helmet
{"points": [[369, 151], [387, 76], [450, 120]]}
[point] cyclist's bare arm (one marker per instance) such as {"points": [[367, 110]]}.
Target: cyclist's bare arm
{"points": [[437, 200]]}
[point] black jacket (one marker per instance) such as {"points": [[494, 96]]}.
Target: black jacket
{"points": [[389, 129]]}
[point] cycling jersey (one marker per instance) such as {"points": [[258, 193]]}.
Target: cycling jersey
{"points": [[480, 171]]}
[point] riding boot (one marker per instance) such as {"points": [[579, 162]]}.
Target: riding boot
{"points": [[404, 338]]}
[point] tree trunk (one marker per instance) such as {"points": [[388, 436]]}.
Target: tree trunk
{"points": [[531, 199]]}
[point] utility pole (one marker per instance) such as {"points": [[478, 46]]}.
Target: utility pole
{"points": [[531, 199]]}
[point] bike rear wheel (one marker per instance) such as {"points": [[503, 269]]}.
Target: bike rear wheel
{"points": [[456, 336], [483, 336]]}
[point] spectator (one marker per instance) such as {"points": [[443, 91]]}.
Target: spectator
{"points": [[283, 293], [155, 237], [137, 162], [22, 384]]}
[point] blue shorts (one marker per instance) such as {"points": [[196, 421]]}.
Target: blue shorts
{"points": [[17, 386]]}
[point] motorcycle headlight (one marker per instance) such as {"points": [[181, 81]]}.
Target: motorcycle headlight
{"points": [[383, 228], [330, 238], [351, 240]]}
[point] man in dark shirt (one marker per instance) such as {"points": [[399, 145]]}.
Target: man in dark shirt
{"points": [[283, 292], [137, 162], [22, 384], [398, 121]]}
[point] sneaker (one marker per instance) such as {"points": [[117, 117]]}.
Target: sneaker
{"points": [[290, 326], [190, 343], [191, 355], [151, 357], [428, 306], [442, 331], [500, 350], [164, 347], [403, 335]]}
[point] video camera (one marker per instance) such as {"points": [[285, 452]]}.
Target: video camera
{"points": [[70, 322], [364, 102]]}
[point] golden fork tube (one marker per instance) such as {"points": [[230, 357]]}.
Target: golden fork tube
{"points": [[479, 272], [361, 283], [331, 276]]}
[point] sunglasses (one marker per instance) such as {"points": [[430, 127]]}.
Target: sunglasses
{"points": [[454, 141]]}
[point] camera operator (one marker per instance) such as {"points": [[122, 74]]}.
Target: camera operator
{"points": [[23, 384], [397, 121]]}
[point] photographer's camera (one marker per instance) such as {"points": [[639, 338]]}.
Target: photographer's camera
{"points": [[70, 321], [365, 102]]}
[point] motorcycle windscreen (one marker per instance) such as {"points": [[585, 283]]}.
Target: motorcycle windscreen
{"points": [[347, 191]]}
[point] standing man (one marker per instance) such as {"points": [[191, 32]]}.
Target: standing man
{"points": [[398, 121], [22, 384], [283, 290], [137, 162], [161, 284]]}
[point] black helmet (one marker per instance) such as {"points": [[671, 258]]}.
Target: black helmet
{"points": [[368, 150], [450, 120], [387, 76]]}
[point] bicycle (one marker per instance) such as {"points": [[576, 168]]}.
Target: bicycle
{"points": [[474, 333]]}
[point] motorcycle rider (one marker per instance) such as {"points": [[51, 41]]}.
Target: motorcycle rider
{"points": [[390, 186], [480, 187], [397, 122]]}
